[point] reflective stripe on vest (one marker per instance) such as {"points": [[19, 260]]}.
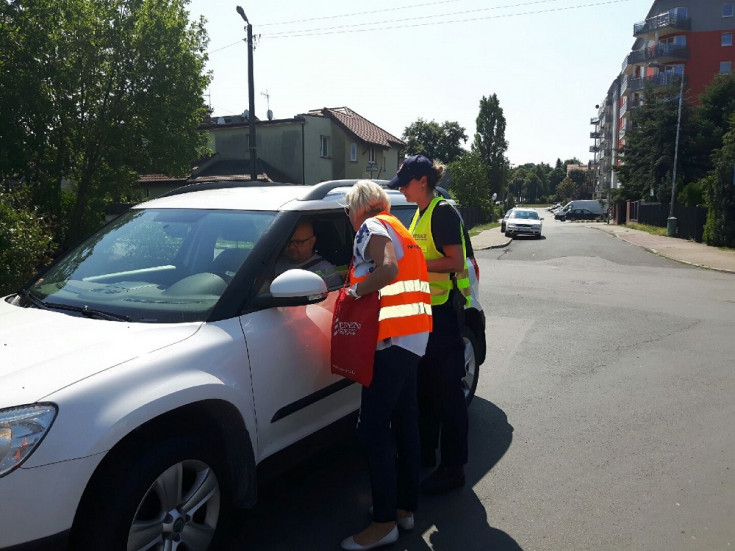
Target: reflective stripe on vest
{"points": [[440, 283], [405, 303]]}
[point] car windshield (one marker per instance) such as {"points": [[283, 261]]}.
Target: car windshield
{"points": [[526, 214], [152, 265]]}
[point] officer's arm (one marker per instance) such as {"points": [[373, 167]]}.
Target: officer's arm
{"points": [[452, 261]]}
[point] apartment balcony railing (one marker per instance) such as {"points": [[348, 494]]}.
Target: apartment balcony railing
{"points": [[625, 127], [594, 120], [665, 22], [595, 135], [594, 149], [661, 53], [605, 137], [656, 81]]}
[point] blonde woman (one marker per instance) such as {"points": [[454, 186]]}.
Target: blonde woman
{"points": [[387, 260]]}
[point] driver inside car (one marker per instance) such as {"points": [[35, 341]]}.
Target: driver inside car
{"points": [[299, 253]]}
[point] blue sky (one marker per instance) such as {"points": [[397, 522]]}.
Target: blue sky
{"points": [[394, 61]]}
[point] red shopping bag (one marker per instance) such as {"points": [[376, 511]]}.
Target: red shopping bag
{"points": [[354, 336]]}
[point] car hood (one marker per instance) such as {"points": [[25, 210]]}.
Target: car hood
{"points": [[42, 351]]}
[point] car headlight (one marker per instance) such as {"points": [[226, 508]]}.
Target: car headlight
{"points": [[21, 430]]}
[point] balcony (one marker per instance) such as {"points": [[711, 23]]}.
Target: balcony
{"points": [[660, 53], [594, 149], [594, 120], [595, 135], [664, 23], [656, 81], [606, 136], [625, 127]]}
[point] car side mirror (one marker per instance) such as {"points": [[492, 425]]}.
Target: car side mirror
{"points": [[294, 288]]}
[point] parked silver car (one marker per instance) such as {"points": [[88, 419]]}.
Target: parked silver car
{"points": [[523, 222]]}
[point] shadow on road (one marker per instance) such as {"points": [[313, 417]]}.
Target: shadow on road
{"points": [[325, 498]]}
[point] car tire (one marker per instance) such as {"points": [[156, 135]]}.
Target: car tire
{"points": [[508, 234], [472, 369], [145, 494]]}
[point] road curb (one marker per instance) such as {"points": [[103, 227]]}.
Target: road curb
{"points": [[486, 247]]}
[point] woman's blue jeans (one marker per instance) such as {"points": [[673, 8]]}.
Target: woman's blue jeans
{"points": [[387, 429]]}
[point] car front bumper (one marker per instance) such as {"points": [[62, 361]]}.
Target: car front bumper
{"points": [[524, 230], [38, 504]]}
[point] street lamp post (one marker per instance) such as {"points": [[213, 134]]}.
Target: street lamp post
{"points": [[251, 95], [671, 222]]}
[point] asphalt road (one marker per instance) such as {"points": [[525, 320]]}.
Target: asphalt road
{"points": [[603, 417]]}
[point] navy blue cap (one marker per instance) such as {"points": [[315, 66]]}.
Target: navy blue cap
{"points": [[412, 167]]}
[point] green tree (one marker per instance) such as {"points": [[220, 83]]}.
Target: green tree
{"points": [[580, 179], [648, 155], [469, 182], [555, 178], [566, 189], [440, 142], [717, 104], [532, 187], [719, 230], [25, 240], [490, 143], [93, 92]]}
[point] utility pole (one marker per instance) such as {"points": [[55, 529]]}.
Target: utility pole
{"points": [[671, 222], [251, 96]]}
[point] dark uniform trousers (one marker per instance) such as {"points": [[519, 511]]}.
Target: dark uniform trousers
{"points": [[442, 405]]}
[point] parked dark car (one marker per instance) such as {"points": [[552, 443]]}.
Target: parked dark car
{"points": [[581, 214]]}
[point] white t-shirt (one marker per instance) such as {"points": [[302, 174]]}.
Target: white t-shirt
{"points": [[364, 265]]}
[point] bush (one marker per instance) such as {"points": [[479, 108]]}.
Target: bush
{"points": [[25, 241]]}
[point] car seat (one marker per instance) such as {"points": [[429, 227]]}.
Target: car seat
{"points": [[228, 261]]}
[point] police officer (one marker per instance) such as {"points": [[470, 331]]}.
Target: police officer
{"points": [[437, 228]]}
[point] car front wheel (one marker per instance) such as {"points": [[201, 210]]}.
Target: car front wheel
{"points": [[472, 370], [166, 496]]}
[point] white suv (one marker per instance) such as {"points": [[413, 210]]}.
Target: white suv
{"points": [[150, 370]]}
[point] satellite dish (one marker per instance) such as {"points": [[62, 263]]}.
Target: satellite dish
{"points": [[270, 115], [246, 114]]}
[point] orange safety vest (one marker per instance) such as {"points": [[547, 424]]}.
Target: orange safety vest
{"points": [[405, 303]]}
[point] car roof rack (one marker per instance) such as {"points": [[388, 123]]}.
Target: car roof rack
{"points": [[321, 190], [316, 192], [224, 184]]}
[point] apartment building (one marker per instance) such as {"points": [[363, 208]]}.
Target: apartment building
{"points": [[678, 39]]}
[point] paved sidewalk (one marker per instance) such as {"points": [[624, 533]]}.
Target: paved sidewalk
{"points": [[681, 250]]}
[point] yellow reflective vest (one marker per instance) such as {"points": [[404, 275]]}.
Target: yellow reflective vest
{"points": [[439, 283]]}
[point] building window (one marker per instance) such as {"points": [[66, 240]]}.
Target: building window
{"points": [[728, 10], [353, 152], [678, 40], [725, 67], [677, 70], [371, 155], [324, 147], [726, 39]]}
